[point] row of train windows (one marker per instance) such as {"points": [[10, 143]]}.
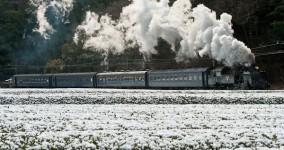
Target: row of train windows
{"points": [[58, 80], [121, 78], [177, 78], [74, 80], [34, 81]]}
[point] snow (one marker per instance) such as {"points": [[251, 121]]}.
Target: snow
{"points": [[79, 119], [122, 96]]}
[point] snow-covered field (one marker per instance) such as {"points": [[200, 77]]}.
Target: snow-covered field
{"points": [[119, 96], [78, 118]]}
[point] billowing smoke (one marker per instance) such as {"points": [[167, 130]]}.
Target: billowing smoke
{"points": [[102, 33], [196, 32], [58, 11]]}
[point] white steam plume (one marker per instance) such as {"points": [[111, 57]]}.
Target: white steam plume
{"points": [[196, 31], [102, 33], [61, 8]]}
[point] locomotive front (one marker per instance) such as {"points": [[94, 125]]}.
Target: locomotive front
{"points": [[253, 78]]}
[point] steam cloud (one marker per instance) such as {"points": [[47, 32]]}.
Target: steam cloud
{"points": [[60, 8], [196, 32]]}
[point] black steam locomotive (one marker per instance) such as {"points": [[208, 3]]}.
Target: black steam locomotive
{"points": [[193, 78]]}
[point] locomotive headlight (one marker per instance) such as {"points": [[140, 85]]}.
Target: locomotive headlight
{"points": [[227, 78]]}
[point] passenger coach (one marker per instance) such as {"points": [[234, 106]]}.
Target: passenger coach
{"points": [[32, 81], [181, 78], [135, 79], [74, 80]]}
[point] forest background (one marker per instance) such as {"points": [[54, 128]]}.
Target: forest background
{"points": [[258, 23]]}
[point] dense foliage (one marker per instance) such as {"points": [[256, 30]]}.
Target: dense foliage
{"points": [[257, 23]]}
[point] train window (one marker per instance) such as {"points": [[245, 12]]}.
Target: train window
{"points": [[190, 77], [195, 77], [200, 77], [180, 78], [184, 77], [176, 78]]}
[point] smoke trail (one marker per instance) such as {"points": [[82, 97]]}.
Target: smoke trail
{"points": [[102, 33], [59, 12], [197, 31]]}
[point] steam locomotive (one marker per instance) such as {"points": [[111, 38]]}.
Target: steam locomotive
{"points": [[193, 78]]}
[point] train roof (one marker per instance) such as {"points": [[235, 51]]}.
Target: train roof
{"points": [[122, 73], [75, 74], [204, 69], [33, 75]]}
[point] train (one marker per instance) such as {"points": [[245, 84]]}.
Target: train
{"points": [[242, 78]]}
